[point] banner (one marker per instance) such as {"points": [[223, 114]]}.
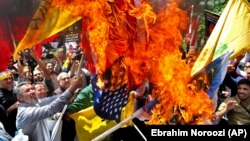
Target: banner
{"points": [[232, 32], [47, 21], [210, 22]]}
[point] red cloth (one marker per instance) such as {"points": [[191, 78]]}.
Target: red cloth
{"points": [[87, 49], [6, 44]]}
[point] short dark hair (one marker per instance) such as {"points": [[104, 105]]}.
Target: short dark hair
{"points": [[244, 81]]}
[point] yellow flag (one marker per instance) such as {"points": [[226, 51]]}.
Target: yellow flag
{"points": [[231, 32], [47, 21], [89, 125]]}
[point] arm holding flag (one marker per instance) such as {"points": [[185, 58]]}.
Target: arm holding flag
{"points": [[83, 100]]}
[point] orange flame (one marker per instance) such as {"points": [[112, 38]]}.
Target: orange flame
{"points": [[149, 42]]}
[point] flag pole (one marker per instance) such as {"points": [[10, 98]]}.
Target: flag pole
{"points": [[11, 33], [191, 19], [117, 126], [194, 32], [190, 27], [139, 131], [79, 69]]}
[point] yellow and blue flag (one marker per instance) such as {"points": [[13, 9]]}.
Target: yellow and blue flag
{"points": [[89, 125], [231, 32]]}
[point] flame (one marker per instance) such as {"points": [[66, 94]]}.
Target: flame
{"points": [[148, 38]]}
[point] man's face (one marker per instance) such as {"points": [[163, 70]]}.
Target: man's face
{"points": [[28, 94], [49, 67], [40, 90], [246, 66], [26, 73], [247, 70], [8, 82], [244, 92], [38, 75], [64, 81]]}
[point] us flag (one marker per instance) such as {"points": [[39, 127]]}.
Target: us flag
{"points": [[114, 94]]}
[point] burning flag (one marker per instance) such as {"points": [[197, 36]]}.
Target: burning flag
{"points": [[113, 95], [148, 41], [216, 70]]}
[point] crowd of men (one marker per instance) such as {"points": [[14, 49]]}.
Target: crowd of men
{"points": [[30, 95]]}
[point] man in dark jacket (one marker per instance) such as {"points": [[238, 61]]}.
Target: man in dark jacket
{"points": [[8, 102]]}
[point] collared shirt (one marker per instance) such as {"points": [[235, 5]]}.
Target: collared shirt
{"points": [[239, 115], [31, 117]]}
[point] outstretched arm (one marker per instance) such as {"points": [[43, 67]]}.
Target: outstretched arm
{"points": [[41, 65]]}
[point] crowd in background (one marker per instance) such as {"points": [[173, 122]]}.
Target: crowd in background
{"points": [[34, 89]]}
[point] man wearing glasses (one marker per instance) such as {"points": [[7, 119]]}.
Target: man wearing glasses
{"points": [[68, 127], [64, 83]]}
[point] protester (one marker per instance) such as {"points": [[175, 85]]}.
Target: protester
{"points": [[54, 70], [41, 90], [237, 108], [8, 102], [64, 82], [42, 75], [32, 114], [68, 126], [24, 73]]}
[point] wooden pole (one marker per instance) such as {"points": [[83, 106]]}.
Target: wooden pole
{"points": [[117, 126]]}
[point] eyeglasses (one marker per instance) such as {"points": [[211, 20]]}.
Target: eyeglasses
{"points": [[65, 78]]}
